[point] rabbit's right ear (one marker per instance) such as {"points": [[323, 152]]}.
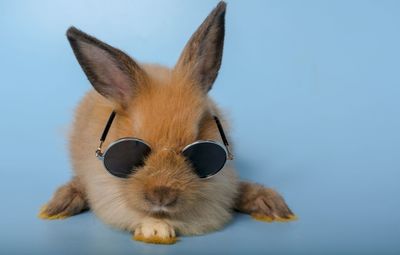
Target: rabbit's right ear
{"points": [[111, 72], [202, 55]]}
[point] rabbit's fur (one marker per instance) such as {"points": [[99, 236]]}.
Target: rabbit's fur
{"points": [[169, 109]]}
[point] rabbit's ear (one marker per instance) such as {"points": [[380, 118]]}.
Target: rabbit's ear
{"points": [[111, 72], [202, 55]]}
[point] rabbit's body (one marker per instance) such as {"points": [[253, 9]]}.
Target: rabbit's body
{"points": [[105, 193], [168, 109]]}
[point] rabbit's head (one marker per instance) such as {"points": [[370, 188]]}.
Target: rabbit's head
{"points": [[167, 108]]}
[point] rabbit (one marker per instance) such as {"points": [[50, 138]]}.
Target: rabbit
{"points": [[169, 109]]}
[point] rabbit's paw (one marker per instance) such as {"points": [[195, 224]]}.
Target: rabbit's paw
{"points": [[263, 203], [155, 231], [68, 200], [267, 205], [45, 215]]}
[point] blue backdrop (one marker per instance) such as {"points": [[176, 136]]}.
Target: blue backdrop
{"points": [[312, 88]]}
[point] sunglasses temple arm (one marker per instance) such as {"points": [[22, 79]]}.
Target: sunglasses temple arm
{"points": [[224, 139], [103, 137]]}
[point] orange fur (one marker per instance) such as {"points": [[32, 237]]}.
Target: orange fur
{"points": [[163, 123]]}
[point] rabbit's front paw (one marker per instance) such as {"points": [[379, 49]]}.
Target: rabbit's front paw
{"points": [[268, 205], [68, 200], [155, 231], [263, 203]]}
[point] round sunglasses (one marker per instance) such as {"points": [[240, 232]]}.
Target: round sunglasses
{"points": [[125, 155]]}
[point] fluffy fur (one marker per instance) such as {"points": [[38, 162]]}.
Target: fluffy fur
{"points": [[169, 109]]}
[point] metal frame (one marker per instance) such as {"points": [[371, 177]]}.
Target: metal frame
{"points": [[100, 155], [216, 143]]}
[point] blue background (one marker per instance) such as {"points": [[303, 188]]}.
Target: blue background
{"points": [[312, 88]]}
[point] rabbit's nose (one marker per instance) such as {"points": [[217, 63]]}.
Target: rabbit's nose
{"points": [[162, 196]]}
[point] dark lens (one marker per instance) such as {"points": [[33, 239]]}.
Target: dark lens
{"points": [[207, 158], [124, 156]]}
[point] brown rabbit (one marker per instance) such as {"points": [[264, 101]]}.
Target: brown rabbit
{"points": [[168, 109]]}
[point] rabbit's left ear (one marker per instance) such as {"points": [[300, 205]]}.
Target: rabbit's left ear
{"points": [[202, 55], [112, 73]]}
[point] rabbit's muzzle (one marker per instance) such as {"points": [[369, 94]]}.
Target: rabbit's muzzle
{"points": [[161, 197]]}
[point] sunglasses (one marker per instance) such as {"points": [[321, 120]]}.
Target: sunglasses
{"points": [[125, 155]]}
